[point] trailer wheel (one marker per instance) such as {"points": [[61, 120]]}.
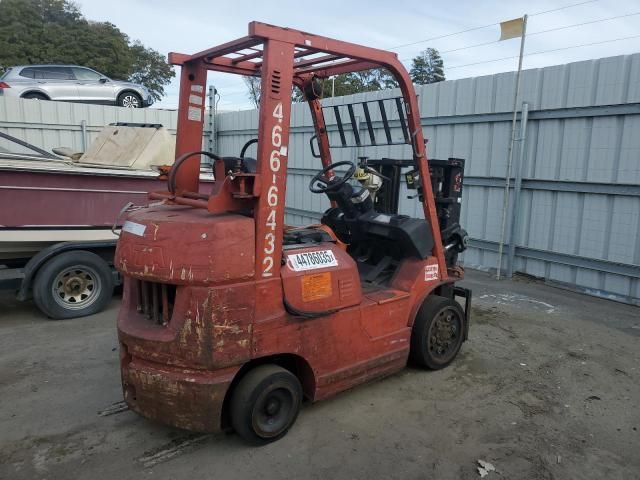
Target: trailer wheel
{"points": [[265, 404], [438, 332], [73, 284]]}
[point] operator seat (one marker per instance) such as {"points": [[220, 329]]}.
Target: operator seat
{"points": [[401, 235], [356, 222]]}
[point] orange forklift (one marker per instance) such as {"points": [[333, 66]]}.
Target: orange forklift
{"points": [[229, 317]]}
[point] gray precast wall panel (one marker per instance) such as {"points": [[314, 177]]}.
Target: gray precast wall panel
{"points": [[48, 124], [573, 227]]}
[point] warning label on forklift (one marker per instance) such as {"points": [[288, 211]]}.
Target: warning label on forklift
{"points": [[431, 272], [316, 286], [299, 262]]}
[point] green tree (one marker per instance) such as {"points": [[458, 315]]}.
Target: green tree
{"points": [[55, 31], [254, 87], [358, 82], [427, 67], [351, 83], [150, 69]]}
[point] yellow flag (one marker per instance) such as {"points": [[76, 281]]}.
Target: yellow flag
{"points": [[511, 29]]}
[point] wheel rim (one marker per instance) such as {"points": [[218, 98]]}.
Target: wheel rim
{"points": [[130, 101], [444, 334], [273, 411], [76, 287]]}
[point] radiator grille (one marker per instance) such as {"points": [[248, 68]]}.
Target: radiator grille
{"points": [[155, 301]]}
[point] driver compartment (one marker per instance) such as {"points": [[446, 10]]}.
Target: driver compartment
{"points": [[377, 237]]}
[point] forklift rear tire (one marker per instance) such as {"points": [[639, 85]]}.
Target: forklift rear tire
{"points": [[438, 332], [73, 284], [265, 404]]}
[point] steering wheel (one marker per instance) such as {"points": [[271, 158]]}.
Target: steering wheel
{"points": [[320, 183], [171, 181]]}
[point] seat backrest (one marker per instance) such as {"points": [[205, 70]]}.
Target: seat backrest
{"points": [[410, 236]]}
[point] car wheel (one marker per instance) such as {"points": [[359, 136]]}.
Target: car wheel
{"points": [[265, 404], [129, 100], [35, 95], [438, 332], [73, 284]]}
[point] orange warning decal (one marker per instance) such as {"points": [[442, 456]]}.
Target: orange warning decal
{"points": [[316, 287]]}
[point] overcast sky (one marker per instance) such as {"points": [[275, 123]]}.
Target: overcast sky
{"points": [[189, 26]]}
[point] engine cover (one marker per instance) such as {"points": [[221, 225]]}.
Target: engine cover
{"points": [[319, 279]]}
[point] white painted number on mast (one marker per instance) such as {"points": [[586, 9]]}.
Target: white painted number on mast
{"points": [[272, 192]]}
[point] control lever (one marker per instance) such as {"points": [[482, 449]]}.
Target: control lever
{"points": [[414, 183], [363, 165]]}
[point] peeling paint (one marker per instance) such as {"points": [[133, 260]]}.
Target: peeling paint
{"points": [[235, 329]]}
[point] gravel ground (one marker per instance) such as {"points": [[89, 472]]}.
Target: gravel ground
{"points": [[546, 387]]}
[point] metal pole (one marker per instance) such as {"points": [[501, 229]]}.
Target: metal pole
{"points": [[211, 119], [516, 189], [505, 204], [333, 86], [83, 130]]}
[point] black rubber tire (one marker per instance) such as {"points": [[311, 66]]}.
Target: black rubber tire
{"points": [[43, 294], [121, 97], [431, 308], [36, 96], [249, 394]]}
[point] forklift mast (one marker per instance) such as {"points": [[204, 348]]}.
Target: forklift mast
{"points": [[282, 57]]}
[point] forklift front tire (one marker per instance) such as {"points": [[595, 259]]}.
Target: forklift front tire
{"points": [[265, 404], [438, 332]]}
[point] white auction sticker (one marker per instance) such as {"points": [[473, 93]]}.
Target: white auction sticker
{"points": [[431, 272], [194, 113], [134, 228], [299, 262]]}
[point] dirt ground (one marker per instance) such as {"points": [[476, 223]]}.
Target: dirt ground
{"points": [[546, 387]]}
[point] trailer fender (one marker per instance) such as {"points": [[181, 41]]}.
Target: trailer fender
{"points": [[39, 259]]}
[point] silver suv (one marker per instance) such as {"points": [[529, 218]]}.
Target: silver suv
{"points": [[71, 83]]}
